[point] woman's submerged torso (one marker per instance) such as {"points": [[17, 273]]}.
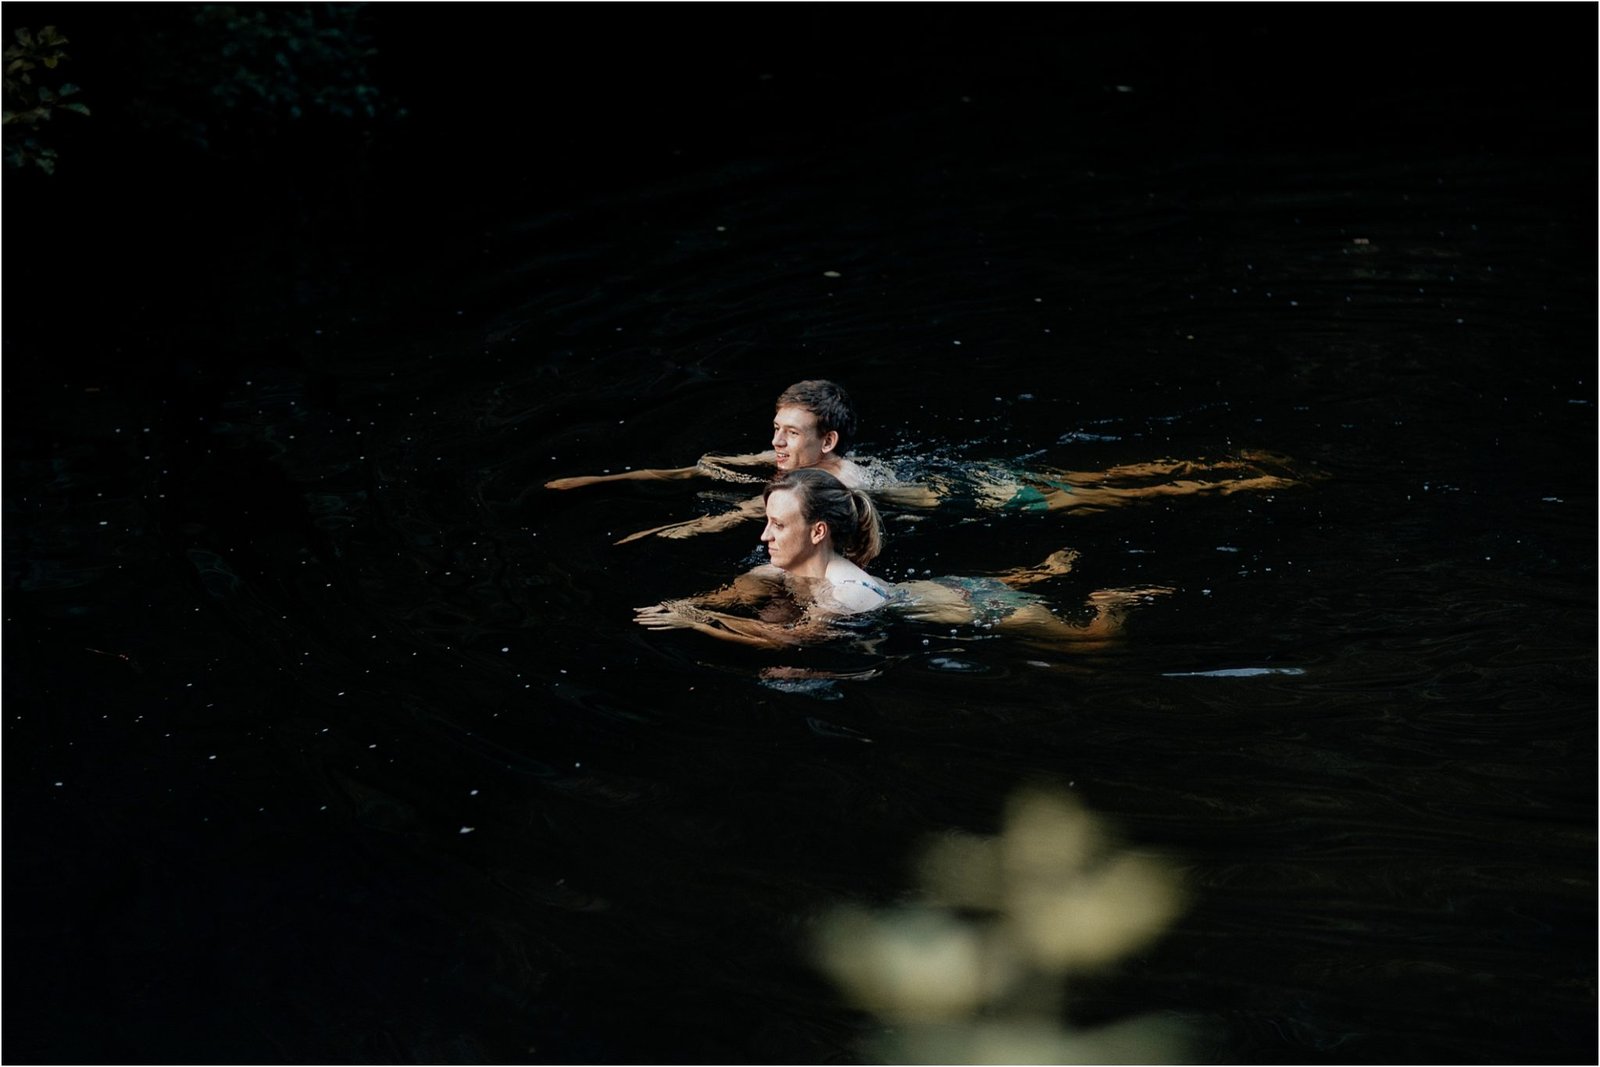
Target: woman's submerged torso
{"points": [[847, 590]]}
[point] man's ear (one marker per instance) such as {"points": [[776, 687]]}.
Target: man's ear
{"points": [[819, 530], [830, 440]]}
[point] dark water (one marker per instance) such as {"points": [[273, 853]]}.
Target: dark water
{"points": [[329, 735]]}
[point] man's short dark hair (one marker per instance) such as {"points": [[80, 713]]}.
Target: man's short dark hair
{"points": [[829, 403]]}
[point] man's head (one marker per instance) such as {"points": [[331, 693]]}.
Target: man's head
{"points": [[814, 419]]}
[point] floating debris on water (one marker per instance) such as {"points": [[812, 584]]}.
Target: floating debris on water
{"points": [[1235, 672], [821, 688], [947, 663]]}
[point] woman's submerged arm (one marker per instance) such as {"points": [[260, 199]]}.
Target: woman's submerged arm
{"points": [[683, 615], [749, 589], [749, 509]]}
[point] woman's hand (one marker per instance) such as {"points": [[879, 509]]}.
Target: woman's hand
{"points": [[672, 615]]}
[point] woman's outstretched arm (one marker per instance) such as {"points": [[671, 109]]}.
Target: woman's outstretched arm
{"points": [[747, 510]]}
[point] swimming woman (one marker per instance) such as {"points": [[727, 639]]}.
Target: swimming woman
{"points": [[819, 535]]}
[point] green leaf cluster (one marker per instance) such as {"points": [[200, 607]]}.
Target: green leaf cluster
{"points": [[291, 61], [31, 99]]}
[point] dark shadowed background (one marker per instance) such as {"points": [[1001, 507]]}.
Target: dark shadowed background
{"points": [[328, 736]]}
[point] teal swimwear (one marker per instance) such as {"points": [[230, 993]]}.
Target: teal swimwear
{"points": [[986, 486], [874, 586], [989, 598], [1030, 499]]}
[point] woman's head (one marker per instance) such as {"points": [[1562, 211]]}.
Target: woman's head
{"points": [[814, 509]]}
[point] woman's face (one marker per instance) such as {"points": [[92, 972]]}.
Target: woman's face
{"points": [[790, 540]]}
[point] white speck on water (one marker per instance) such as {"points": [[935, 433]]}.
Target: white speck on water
{"points": [[955, 342], [832, 274], [507, 648], [60, 784], [468, 829], [211, 757], [1235, 672], [472, 792]]}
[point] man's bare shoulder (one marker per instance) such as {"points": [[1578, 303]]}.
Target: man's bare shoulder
{"points": [[866, 473]]}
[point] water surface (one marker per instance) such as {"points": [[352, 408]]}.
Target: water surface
{"points": [[331, 735]]}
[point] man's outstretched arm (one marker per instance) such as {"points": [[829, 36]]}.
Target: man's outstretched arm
{"points": [[708, 467]]}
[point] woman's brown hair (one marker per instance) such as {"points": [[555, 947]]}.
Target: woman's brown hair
{"points": [[851, 516]]}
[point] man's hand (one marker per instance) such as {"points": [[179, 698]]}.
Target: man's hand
{"points": [[575, 483]]}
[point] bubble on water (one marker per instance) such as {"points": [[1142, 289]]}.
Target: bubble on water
{"points": [[959, 666]]}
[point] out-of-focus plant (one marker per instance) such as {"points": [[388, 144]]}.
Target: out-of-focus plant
{"points": [[239, 79], [32, 97], [291, 60], [975, 970]]}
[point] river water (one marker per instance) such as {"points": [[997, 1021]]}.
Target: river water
{"points": [[330, 735]]}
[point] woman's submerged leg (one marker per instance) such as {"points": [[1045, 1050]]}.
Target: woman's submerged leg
{"points": [[1037, 624]]}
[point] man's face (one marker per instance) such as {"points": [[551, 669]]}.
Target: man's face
{"points": [[796, 441], [789, 540]]}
